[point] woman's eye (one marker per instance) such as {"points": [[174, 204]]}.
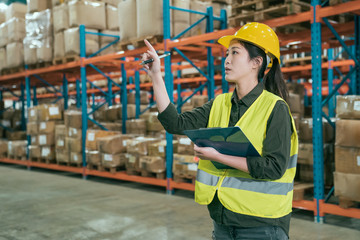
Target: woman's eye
{"points": [[234, 52]]}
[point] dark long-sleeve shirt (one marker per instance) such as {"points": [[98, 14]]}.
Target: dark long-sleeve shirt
{"points": [[272, 165]]}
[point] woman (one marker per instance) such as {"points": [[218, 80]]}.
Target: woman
{"points": [[253, 199]]}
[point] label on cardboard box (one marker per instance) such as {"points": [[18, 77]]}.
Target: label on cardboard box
{"points": [[108, 157], [33, 139], [75, 157], [124, 143], [357, 105], [358, 160], [60, 143], [91, 136], [53, 111], [45, 151], [185, 141], [6, 123], [161, 149], [43, 125], [32, 112], [192, 167], [132, 159], [42, 139]]}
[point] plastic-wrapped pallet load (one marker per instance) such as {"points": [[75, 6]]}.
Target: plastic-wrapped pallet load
{"points": [[127, 19], [348, 107], [17, 10], [72, 41], [59, 45], [38, 5], [29, 52], [45, 52], [106, 40], [61, 17], [112, 18], [149, 18], [2, 15], [201, 7], [3, 59], [79, 12], [180, 19], [39, 24], [3, 34], [16, 29], [14, 54]]}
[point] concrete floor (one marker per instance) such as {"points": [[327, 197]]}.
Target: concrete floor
{"points": [[41, 204]]}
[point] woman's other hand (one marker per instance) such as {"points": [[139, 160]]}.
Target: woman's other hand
{"points": [[206, 153]]}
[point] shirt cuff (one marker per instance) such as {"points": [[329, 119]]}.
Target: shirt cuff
{"points": [[255, 170]]}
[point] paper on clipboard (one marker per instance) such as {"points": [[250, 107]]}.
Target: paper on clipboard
{"points": [[229, 141]]}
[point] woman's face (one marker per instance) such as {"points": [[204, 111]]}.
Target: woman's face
{"points": [[238, 65]]}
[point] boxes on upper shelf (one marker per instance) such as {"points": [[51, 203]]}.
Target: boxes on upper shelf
{"points": [[38, 5], [79, 12], [17, 10], [348, 107]]}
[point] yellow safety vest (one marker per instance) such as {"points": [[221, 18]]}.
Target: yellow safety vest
{"points": [[237, 190]]}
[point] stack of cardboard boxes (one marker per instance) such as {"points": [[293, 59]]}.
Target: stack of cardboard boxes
{"points": [[347, 148], [185, 163]]}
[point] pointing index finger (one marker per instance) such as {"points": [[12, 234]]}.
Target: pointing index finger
{"points": [[149, 46]]}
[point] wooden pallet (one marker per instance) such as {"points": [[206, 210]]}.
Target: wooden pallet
{"points": [[347, 203], [184, 178], [97, 167], [139, 42], [13, 70], [40, 65], [145, 173], [299, 61], [113, 170], [132, 171], [66, 59], [43, 160], [300, 189]]}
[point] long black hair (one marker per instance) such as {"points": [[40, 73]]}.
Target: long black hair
{"points": [[273, 81]]}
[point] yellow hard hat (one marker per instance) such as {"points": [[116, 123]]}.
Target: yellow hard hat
{"points": [[258, 34]]}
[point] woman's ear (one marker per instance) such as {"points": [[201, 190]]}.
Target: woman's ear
{"points": [[257, 62]]}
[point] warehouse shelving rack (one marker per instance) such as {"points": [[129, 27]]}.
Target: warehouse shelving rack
{"points": [[112, 63]]}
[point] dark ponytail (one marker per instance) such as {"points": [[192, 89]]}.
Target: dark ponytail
{"points": [[273, 81]]}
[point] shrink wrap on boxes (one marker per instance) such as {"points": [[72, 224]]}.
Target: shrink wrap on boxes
{"points": [[16, 30], [61, 17], [29, 53], [3, 34], [112, 18], [79, 12], [39, 25], [127, 19], [38, 5], [348, 107], [59, 45], [3, 15], [44, 53]]}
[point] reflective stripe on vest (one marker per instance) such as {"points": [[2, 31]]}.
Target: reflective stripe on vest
{"points": [[237, 190]]}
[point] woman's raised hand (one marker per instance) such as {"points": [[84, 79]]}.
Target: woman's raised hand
{"points": [[153, 67]]}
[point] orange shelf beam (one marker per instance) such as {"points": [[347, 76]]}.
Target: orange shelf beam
{"points": [[183, 186]]}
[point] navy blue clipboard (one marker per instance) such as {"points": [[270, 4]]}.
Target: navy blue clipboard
{"points": [[229, 141]]}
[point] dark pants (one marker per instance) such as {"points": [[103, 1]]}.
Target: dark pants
{"points": [[222, 232]]}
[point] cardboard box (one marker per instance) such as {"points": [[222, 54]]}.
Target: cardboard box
{"points": [[32, 114], [44, 53], [199, 100], [112, 18], [61, 17], [3, 58], [127, 20], [38, 5], [79, 12], [347, 160], [60, 130], [152, 122], [76, 157], [74, 145], [3, 148], [3, 36], [154, 164], [47, 127], [16, 136], [185, 164], [185, 146], [305, 153], [74, 133], [132, 161], [112, 112], [348, 107], [73, 119], [20, 148], [131, 111], [149, 18], [198, 6], [140, 145], [62, 156], [17, 10], [29, 54], [16, 30], [294, 103], [72, 41], [60, 142], [32, 128], [93, 157], [14, 54], [136, 126], [306, 128], [34, 140], [306, 173], [59, 45], [34, 152], [92, 138], [46, 139], [348, 133], [347, 185], [112, 126], [48, 152], [159, 148], [48, 112], [144, 97], [113, 144], [113, 160]]}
